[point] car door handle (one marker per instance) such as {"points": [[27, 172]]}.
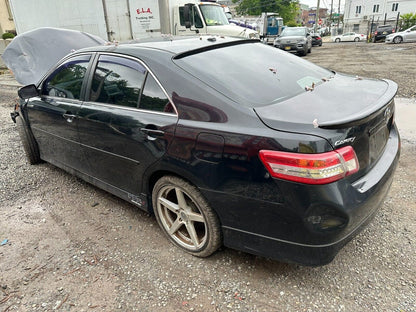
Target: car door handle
{"points": [[152, 134], [69, 117]]}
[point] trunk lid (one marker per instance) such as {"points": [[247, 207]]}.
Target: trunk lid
{"points": [[344, 111]]}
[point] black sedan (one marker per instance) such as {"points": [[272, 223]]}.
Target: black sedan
{"points": [[316, 39], [228, 142]]}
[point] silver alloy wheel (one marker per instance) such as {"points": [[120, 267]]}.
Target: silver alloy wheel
{"points": [[181, 218], [397, 39]]}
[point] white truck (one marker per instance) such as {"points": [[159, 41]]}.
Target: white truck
{"points": [[123, 20]]}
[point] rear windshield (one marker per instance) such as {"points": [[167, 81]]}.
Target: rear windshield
{"points": [[254, 74]]}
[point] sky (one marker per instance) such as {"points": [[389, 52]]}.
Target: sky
{"points": [[323, 3]]}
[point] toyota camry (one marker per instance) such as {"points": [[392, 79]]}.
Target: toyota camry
{"points": [[226, 141]]}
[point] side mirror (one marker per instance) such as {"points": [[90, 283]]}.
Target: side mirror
{"points": [[187, 14], [28, 92]]}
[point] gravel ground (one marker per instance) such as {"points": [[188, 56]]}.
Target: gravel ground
{"points": [[376, 60], [73, 247]]}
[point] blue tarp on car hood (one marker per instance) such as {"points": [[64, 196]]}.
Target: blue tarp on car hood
{"points": [[30, 55]]}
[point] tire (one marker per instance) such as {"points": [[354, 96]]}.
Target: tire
{"points": [[310, 50], [29, 143], [303, 52], [337, 40], [356, 39], [398, 39], [186, 217]]}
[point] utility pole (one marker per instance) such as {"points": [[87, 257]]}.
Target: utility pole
{"points": [[330, 17], [339, 15], [316, 16]]}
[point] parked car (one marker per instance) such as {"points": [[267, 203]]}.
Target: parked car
{"points": [[408, 35], [316, 39], [274, 156], [294, 39], [351, 36], [381, 32]]}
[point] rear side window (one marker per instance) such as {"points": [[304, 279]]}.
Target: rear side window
{"points": [[66, 81], [153, 98], [117, 81]]}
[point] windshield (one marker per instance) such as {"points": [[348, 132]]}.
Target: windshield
{"points": [[213, 15], [293, 32], [237, 70]]}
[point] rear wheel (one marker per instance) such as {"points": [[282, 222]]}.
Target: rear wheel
{"points": [[397, 39], [356, 39], [29, 143], [185, 216]]}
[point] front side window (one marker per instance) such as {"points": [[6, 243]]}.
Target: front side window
{"points": [[66, 81], [117, 81], [196, 19]]}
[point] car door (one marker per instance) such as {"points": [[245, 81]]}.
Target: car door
{"points": [[127, 123], [348, 37], [52, 115], [411, 35]]}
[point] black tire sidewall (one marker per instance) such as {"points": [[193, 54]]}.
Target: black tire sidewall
{"points": [[29, 143], [214, 236]]}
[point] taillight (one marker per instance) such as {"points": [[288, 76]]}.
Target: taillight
{"points": [[311, 168], [375, 33]]}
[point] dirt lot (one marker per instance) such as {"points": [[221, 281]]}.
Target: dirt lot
{"points": [[68, 246], [379, 60]]}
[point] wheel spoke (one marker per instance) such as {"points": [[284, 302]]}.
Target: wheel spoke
{"points": [[175, 227], [181, 199], [168, 204], [192, 233], [196, 217]]}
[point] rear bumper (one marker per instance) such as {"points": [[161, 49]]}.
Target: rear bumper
{"points": [[308, 224]]}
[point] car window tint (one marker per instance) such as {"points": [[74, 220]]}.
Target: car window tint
{"points": [[66, 80], [117, 81], [276, 74], [153, 98]]}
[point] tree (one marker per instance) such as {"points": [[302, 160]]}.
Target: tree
{"points": [[287, 9], [407, 20]]}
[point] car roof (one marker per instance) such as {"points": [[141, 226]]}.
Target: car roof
{"points": [[172, 45]]}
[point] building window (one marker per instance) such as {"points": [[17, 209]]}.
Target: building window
{"points": [[376, 8], [9, 11], [395, 7], [356, 28], [358, 9]]}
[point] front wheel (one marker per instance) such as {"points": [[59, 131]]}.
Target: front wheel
{"points": [[30, 146], [337, 40], [186, 217], [397, 39]]}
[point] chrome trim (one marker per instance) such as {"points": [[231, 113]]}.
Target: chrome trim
{"points": [[133, 109], [149, 71]]}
